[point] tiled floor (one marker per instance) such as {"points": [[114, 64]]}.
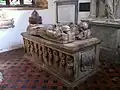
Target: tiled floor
{"points": [[21, 74]]}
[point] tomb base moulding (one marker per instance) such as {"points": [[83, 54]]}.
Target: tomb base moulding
{"points": [[72, 63]]}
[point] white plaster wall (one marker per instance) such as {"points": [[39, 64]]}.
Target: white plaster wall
{"points": [[11, 38]]}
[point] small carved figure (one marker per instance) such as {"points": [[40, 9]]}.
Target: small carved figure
{"points": [[36, 48], [45, 54], [28, 46], [36, 54], [25, 45], [41, 54], [31, 48], [56, 59], [50, 56], [70, 65], [92, 62], [62, 62]]}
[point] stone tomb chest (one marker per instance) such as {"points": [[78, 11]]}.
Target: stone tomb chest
{"points": [[72, 63]]}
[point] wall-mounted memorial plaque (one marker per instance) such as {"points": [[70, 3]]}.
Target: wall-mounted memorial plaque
{"points": [[67, 11], [5, 20], [67, 17]]}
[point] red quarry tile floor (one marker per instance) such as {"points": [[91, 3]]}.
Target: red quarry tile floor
{"points": [[21, 74]]}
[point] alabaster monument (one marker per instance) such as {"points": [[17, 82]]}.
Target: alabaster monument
{"points": [[65, 50], [104, 20], [60, 33], [104, 8]]}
